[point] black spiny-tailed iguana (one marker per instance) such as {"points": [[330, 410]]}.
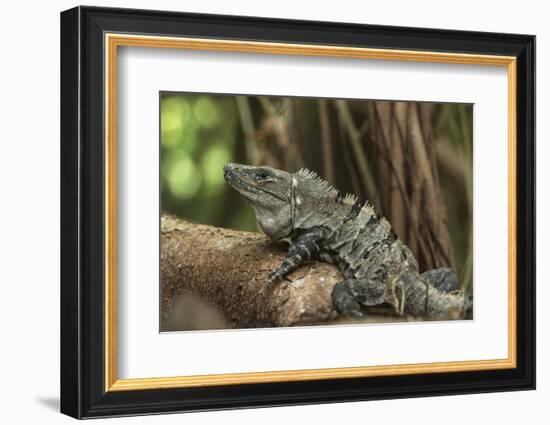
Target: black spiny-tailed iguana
{"points": [[319, 222]]}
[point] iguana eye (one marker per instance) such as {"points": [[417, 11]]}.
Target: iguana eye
{"points": [[262, 175]]}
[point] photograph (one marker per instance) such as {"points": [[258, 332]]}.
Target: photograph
{"points": [[268, 211], [296, 211]]}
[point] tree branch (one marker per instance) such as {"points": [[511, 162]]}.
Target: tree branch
{"points": [[229, 269]]}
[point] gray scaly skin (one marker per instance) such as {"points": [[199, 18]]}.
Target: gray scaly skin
{"points": [[321, 223]]}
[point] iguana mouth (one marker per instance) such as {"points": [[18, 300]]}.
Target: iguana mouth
{"points": [[234, 178]]}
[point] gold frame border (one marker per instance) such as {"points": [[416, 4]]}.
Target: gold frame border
{"points": [[113, 41]]}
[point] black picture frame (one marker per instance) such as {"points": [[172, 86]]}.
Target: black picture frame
{"points": [[83, 392]]}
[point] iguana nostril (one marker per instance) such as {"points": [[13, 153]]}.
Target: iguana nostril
{"points": [[228, 168]]}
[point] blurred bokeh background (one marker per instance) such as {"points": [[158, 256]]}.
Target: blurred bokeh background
{"points": [[411, 160]]}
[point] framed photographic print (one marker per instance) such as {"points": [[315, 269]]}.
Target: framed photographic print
{"points": [[261, 212]]}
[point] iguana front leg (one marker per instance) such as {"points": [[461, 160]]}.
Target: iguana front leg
{"points": [[301, 250]]}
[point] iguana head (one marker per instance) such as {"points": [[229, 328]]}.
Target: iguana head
{"points": [[285, 202], [269, 191]]}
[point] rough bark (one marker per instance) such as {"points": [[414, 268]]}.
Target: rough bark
{"points": [[229, 269]]}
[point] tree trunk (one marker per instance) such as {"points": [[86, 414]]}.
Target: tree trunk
{"points": [[408, 180]]}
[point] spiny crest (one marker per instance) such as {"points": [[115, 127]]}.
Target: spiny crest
{"points": [[368, 208], [348, 199], [322, 184], [306, 173]]}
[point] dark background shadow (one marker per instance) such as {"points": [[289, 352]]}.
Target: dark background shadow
{"points": [[49, 402]]}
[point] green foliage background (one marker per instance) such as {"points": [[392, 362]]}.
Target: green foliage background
{"points": [[198, 136]]}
